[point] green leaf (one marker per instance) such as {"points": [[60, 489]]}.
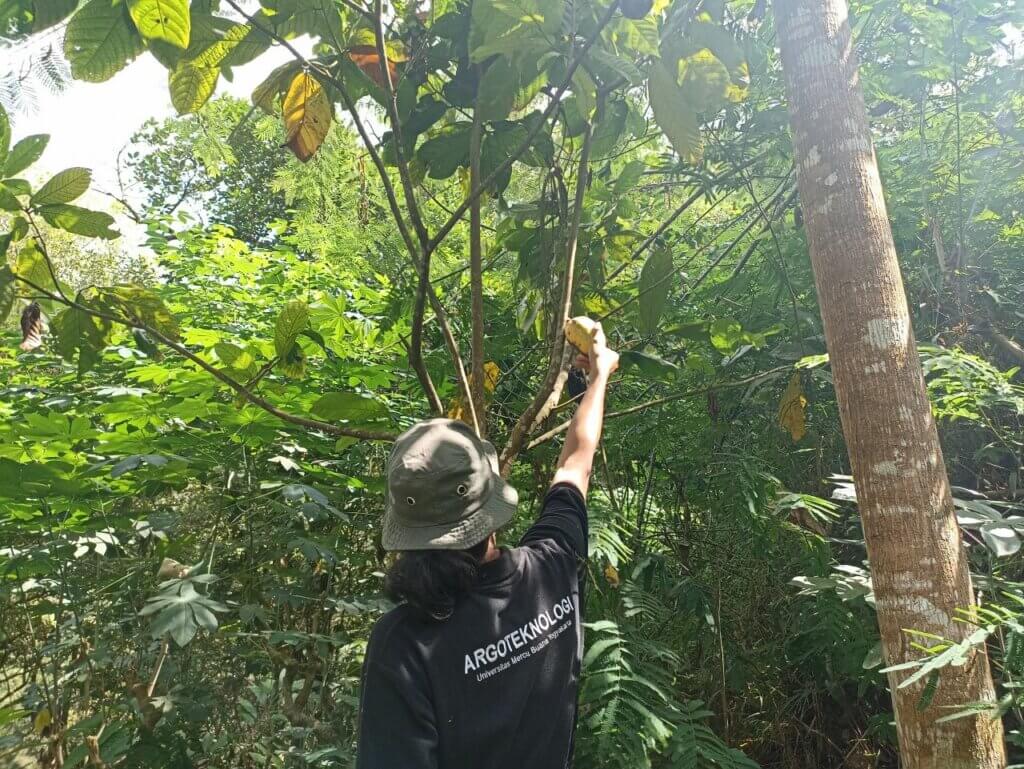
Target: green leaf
{"points": [[726, 333], [655, 284], [8, 202], [63, 187], [31, 266], [349, 406], [193, 81], [25, 153], [266, 93], [290, 323], [648, 364], [138, 305], [191, 86], [166, 20], [497, 90], [446, 151], [80, 221], [8, 292], [5, 136], [79, 333], [100, 40], [46, 13], [673, 115]]}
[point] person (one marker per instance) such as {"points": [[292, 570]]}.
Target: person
{"points": [[478, 666]]}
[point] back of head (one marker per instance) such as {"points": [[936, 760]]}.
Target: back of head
{"points": [[433, 582]]}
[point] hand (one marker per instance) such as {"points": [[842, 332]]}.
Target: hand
{"points": [[602, 359]]}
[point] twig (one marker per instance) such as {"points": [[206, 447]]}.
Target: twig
{"points": [[556, 431]]}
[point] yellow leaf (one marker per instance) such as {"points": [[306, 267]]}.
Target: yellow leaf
{"points": [[42, 720], [791, 409], [491, 374], [307, 116], [612, 575]]}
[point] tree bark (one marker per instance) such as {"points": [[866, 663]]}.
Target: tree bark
{"points": [[919, 569]]}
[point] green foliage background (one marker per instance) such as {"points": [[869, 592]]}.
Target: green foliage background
{"points": [[189, 580]]}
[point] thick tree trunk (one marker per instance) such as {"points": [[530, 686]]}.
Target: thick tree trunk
{"points": [[918, 564]]}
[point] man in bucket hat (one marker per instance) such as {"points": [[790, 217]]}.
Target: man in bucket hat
{"points": [[478, 666]]}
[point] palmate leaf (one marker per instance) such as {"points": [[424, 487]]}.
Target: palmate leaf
{"points": [[307, 116], [100, 40], [63, 187], [166, 20]]}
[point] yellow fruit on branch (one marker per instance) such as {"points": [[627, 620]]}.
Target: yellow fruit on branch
{"points": [[580, 333]]}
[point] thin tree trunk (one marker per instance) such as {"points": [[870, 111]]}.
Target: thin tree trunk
{"points": [[918, 564]]}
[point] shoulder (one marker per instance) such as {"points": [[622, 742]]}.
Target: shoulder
{"points": [[564, 495], [393, 631]]}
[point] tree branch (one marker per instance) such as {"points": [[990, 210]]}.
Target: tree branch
{"points": [[561, 353], [554, 432], [476, 276], [256, 400]]}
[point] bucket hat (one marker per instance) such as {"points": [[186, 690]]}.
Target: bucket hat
{"points": [[444, 491]]}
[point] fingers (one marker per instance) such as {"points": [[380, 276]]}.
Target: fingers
{"points": [[582, 362]]}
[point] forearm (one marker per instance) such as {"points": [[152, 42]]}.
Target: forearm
{"points": [[583, 435]]}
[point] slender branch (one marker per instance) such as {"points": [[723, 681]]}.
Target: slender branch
{"points": [[697, 195], [416, 346], [391, 104], [714, 263], [256, 400], [556, 431], [476, 276], [561, 353]]}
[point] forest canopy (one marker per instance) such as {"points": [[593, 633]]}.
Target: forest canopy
{"points": [[203, 370]]}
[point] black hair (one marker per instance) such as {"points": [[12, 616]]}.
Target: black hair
{"points": [[433, 581]]}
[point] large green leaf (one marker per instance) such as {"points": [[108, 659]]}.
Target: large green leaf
{"points": [[31, 266], [63, 187], [675, 117], [193, 80], [166, 20], [191, 85], [49, 12], [443, 153], [100, 40], [79, 333], [648, 364], [294, 318], [25, 153], [654, 286], [349, 406], [80, 221]]}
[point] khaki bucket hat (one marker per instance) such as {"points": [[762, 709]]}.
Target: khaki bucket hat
{"points": [[444, 490]]}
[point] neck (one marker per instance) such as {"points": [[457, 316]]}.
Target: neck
{"points": [[493, 551]]}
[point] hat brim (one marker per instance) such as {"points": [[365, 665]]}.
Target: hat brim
{"points": [[496, 511]]}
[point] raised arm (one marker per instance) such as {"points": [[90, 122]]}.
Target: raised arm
{"points": [[577, 457]]}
